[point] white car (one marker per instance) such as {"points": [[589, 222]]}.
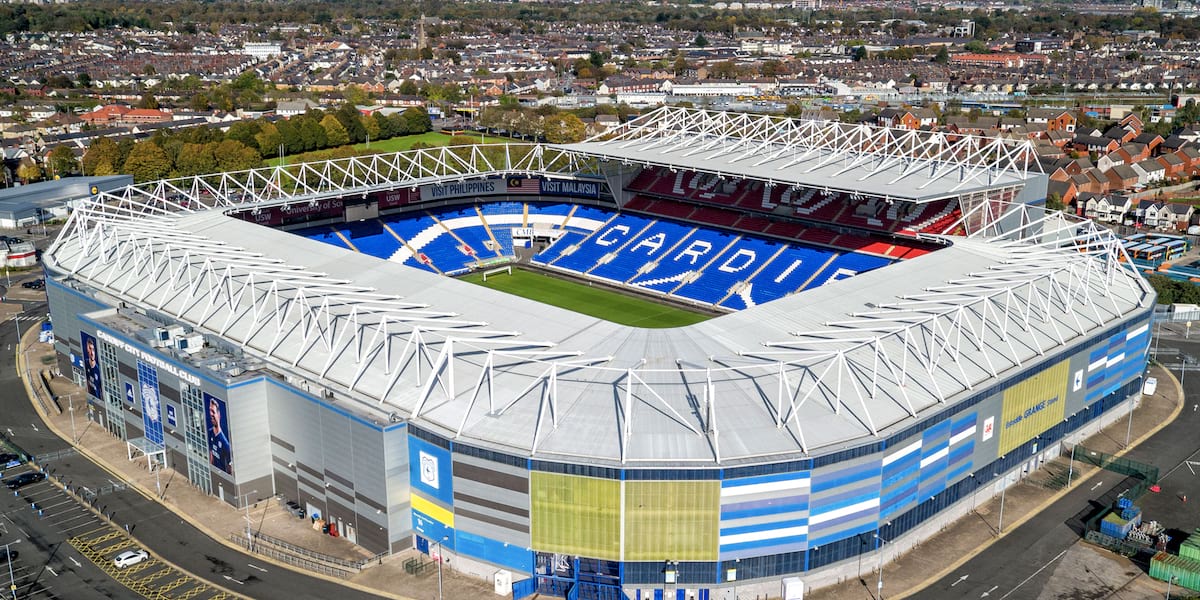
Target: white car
{"points": [[129, 558]]}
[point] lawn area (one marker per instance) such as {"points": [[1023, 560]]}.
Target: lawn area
{"points": [[398, 144], [597, 302]]}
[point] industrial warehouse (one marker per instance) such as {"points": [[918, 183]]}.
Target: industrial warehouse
{"points": [[893, 327]]}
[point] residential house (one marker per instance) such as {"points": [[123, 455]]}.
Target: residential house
{"points": [[1149, 212], [1173, 165], [1175, 216], [1055, 119], [1121, 177], [906, 118], [1098, 144], [292, 108], [1149, 172]]}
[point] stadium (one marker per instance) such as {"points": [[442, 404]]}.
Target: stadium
{"points": [[712, 349]]}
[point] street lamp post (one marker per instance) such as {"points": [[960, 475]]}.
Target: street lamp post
{"points": [[879, 552], [439, 560], [249, 531], [12, 582], [70, 409]]}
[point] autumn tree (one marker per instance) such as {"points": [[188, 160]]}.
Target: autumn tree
{"points": [[147, 162], [335, 132], [101, 158]]}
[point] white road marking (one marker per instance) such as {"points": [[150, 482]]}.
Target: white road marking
{"points": [[51, 571], [74, 561], [1043, 568], [1098, 484], [989, 592], [34, 426], [256, 567], [960, 580], [234, 580]]}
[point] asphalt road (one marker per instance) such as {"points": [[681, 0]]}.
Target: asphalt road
{"points": [[1021, 564], [150, 523]]}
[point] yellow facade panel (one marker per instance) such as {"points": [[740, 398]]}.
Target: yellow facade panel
{"points": [[672, 520], [1033, 406], [574, 515]]}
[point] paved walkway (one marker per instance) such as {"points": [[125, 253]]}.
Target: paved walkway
{"points": [[956, 544], [385, 577]]}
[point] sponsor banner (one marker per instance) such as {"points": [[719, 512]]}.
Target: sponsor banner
{"points": [[151, 404], [91, 364], [171, 422], [1033, 406], [566, 187], [395, 198], [299, 212], [220, 452], [458, 189]]}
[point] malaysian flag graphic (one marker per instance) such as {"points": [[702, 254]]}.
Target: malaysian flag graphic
{"points": [[523, 185]]}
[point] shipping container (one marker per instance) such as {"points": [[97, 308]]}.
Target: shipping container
{"points": [[1185, 572], [1190, 548]]}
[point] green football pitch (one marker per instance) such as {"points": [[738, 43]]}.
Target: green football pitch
{"points": [[594, 301]]}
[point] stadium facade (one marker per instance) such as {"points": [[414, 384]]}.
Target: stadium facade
{"points": [[581, 456]]}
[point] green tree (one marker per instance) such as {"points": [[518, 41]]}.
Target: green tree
{"points": [[196, 159], [268, 139], [335, 132], [409, 88], [147, 162], [942, 57], [62, 161], [104, 152], [700, 41], [148, 101], [233, 155], [416, 120]]}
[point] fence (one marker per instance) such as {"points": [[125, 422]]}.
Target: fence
{"points": [[356, 565], [291, 559], [1119, 546], [1145, 475]]}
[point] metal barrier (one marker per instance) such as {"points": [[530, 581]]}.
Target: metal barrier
{"points": [[260, 538], [291, 559]]}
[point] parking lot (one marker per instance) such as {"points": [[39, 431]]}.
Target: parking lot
{"points": [[57, 529]]}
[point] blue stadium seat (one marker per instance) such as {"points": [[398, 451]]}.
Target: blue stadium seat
{"points": [[369, 237], [848, 265], [444, 253], [325, 234], [784, 275], [607, 239], [738, 263], [554, 251], [649, 245], [691, 255], [408, 225], [555, 208]]}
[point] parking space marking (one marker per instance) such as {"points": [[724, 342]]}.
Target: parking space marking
{"points": [[141, 578]]}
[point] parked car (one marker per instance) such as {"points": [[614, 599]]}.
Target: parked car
{"points": [[8, 457], [24, 479], [129, 558], [7, 555], [295, 508], [36, 284]]}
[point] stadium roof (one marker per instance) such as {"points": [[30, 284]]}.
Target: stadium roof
{"points": [[806, 374], [911, 165]]}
